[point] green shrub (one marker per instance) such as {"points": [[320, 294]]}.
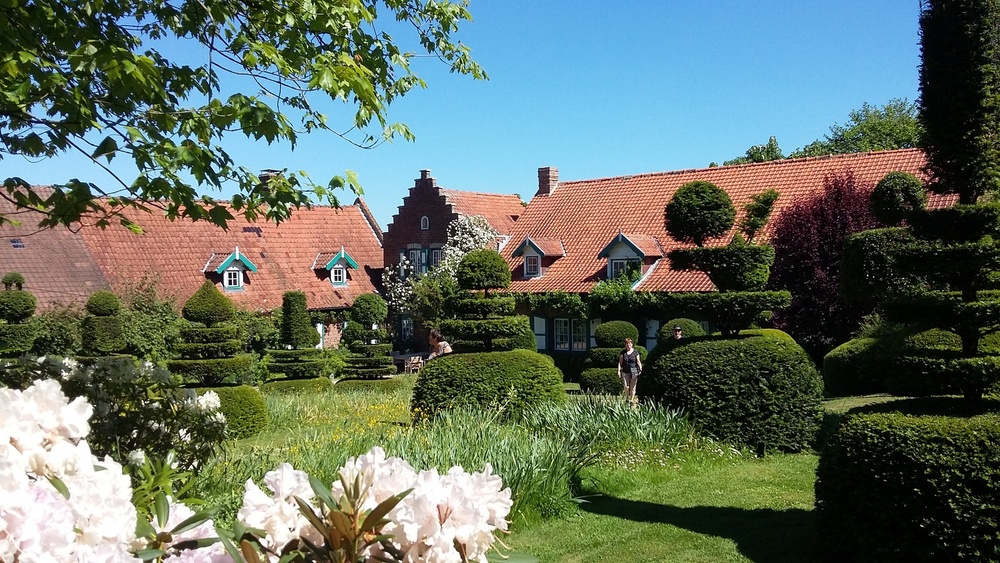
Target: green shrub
{"points": [[203, 335], [483, 269], [17, 306], [102, 336], [849, 369], [16, 339], [731, 312], [13, 280], [759, 391], [352, 333], [296, 328], [571, 365], [258, 331], [151, 323], [895, 196], [608, 357], [960, 223], [401, 383], [57, 332], [893, 487], [601, 381], [208, 306], [369, 309], [689, 329], [487, 331], [213, 371], [294, 355], [516, 379], [699, 211], [867, 265], [244, 409], [312, 386], [612, 334], [104, 303], [479, 307], [208, 350], [735, 267], [305, 369]]}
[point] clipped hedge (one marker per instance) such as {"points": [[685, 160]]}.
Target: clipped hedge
{"points": [[735, 267], [203, 335], [369, 309], [867, 265], [13, 280], [486, 330], [104, 303], [761, 391], [208, 350], [16, 339], [732, 311], [849, 369], [208, 306], [608, 357], [612, 334], [514, 380], [959, 223], [212, 372], [895, 487], [483, 269], [244, 409], [297, 330], [315, 385], [17, 306], [601, 381], [401, 383], [895, 196], [689, 328], [475, 306], [102, 335]]}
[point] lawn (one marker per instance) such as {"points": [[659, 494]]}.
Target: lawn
{"points": [[683, 499]]}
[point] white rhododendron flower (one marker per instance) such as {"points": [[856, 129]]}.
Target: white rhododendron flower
{"points": [[137, 458], [208, 402]]}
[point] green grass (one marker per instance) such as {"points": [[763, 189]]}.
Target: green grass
{"points": [[704, 510]]}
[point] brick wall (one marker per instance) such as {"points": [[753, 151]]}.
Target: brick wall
{"points": [[424, 200]]}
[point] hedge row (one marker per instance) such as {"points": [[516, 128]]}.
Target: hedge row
{"points": [[212, 372], [298, 386], [244, 409], [601, 381]]}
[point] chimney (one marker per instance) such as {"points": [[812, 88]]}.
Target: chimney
{"points": [[425, 180], [548, 178], [266, 175]]}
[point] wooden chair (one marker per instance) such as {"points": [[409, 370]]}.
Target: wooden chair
{"points": [[413, 364]]}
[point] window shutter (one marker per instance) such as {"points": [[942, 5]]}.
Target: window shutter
{"points": [[594, 323], [538, 326]]}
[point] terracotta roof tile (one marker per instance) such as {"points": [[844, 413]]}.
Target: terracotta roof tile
{"points": [[500, 210], [587, 214]]}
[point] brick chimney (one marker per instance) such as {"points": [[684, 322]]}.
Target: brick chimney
{"points": [[266, 175], [548, 178], [425, 180]]}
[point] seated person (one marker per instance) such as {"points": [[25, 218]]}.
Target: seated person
{"points": [[438, 345]]}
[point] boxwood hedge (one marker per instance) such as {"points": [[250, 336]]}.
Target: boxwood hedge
{"points": [[612, 334], [104, 303], [16, 305], [761, 390], [244, 409], [16, 339], [601, 381], [896, 487], [608, 357], [849, 369], [514, 380], [298, 386], [102, 335], [213, 371]]}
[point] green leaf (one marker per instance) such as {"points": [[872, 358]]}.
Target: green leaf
{"points": [[194, 520], [59, 486], [161, 509], [373, 520], [107, 148], [150, 554]]}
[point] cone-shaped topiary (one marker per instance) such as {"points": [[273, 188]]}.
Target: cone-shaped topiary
{"points": [[16, 306], [209, 354], [371, 359], [299, 360], [208, 306]]}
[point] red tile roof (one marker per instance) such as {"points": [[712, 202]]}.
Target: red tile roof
{"points": [[500, 210], [587, 214], [176, 251], [550, 247]]}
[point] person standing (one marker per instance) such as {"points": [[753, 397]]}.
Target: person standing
{"points": [[629, 368], [678, 332]]}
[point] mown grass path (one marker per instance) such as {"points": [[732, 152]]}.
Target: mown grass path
{"points": [[746, 510]]}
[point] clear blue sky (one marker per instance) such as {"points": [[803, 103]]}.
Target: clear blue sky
{"points": [[600, 88]]}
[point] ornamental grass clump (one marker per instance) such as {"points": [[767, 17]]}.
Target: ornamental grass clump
{"points": [[16, 307], [210, 351], [368, 342], [299, 358]]}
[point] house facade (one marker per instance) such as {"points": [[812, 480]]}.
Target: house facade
{"points": [[419, 231], [572, 235], [333, 255]]}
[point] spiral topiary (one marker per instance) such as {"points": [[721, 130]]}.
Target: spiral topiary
{"points": [[209, 354], [371, 359]]}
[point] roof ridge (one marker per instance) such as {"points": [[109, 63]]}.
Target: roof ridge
{"points": [[480, 193], [777, 162]]}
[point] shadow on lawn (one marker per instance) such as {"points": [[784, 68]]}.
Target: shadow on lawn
{"points": [[761, 534]]}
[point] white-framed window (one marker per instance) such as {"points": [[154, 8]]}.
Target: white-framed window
{"points": [[338, 275], [579, 335], [232, 278], [425, 223], [435, 257], [560, 334], [618, 266], [406, 329], [531, 265]]}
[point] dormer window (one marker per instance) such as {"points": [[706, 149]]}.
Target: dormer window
{"points": [[539, 253], [626, 252], [232, 268], [531, 265], [425, 223], [337, 263]]}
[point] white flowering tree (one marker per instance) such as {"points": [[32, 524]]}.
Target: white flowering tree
{"points": [[465, 234]]}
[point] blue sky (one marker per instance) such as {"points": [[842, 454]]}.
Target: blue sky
{"points": [[600, 88]]}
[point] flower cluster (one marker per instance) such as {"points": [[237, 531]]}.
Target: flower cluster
{"points": [[43, 456], [451, 517]]}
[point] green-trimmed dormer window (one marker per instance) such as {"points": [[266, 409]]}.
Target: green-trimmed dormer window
{"points": [[337, 263], [627, 251], [232, 268]]}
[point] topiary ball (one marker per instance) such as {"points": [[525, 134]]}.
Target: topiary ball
{"points": [[689, 329], [369, 309], [244, 409], [759, 391], [16, 305], [514, 380], [104, 303], [208, 306], [699, 211], [601, 381], [895, 196], [483, 269], [612, 334], [13, 280]]}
